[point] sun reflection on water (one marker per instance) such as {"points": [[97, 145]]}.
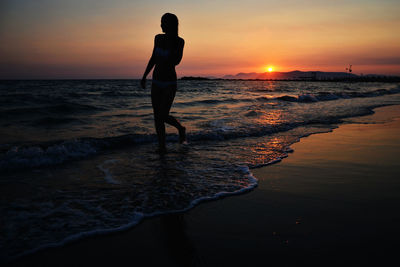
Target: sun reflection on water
{"points": [[271, 117], [268, 150]]}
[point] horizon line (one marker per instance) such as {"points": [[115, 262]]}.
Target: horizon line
{"points": [[209, 76]]}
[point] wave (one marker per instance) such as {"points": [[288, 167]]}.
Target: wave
{"points": [[212, 101], [124, 94], [45, 154], [327, 96], [303, 98], [63, 108], [137, 217]]}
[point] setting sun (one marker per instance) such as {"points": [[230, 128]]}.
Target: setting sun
{"points": [[269, 69]]}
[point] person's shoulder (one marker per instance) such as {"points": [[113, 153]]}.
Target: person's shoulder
{"points": [[181, 40], [159, 37]]}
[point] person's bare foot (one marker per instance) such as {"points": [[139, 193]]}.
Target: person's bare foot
{"points": [[182, 135]]}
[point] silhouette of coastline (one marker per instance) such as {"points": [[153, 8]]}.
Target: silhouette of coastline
{"points": [[301, 76]]}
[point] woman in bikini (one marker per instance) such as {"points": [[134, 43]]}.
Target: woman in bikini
{"points": [[167, 53]]}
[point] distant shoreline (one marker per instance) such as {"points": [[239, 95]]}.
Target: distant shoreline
{"points": [[349, 79]]}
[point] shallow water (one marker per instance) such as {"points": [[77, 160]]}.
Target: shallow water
{"points": [[77, 157]]}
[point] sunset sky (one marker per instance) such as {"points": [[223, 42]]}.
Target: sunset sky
{"points": [[114, 39]]}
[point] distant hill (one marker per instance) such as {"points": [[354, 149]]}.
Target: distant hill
{"points": [[292, 75], [302, 76]]}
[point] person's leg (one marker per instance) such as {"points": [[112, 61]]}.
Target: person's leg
{"points": [[169, 99], [182, 130], [159, 117]]}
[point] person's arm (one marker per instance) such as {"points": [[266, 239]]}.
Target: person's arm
{"points": [[179, 53], [150, 66]]}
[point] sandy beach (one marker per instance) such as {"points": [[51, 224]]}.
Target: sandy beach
{"points": [[333, 202]]}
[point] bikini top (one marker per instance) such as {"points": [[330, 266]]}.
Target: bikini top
{"points": [[163, 53]]}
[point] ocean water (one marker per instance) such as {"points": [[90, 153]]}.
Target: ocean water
{"points": [[77, 157]]}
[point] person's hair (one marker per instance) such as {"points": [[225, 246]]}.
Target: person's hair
{"points": [[169, 24]]}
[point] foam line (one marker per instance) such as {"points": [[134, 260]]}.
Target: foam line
{"points": [[138, 217]]}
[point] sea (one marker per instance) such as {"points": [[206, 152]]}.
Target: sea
{"points": [[78, 157]]}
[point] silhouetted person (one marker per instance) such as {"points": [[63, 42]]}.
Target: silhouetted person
{"points": [[167, 53]]}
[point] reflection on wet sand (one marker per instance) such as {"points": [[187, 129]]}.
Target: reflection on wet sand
{"points": [[173, 228], [177, 242]]}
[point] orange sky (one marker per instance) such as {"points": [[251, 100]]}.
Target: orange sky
{"points": [[113, 39]]}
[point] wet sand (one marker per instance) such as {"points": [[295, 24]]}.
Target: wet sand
{"points": [[333, 202]]}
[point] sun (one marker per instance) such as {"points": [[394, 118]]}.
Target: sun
{"points": [[269, 69]]}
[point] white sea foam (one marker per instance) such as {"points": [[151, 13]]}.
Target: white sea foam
{"points": [[137, 217], [108, 176]]}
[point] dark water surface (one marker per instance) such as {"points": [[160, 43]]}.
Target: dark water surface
{"points": [[77, 157]]}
